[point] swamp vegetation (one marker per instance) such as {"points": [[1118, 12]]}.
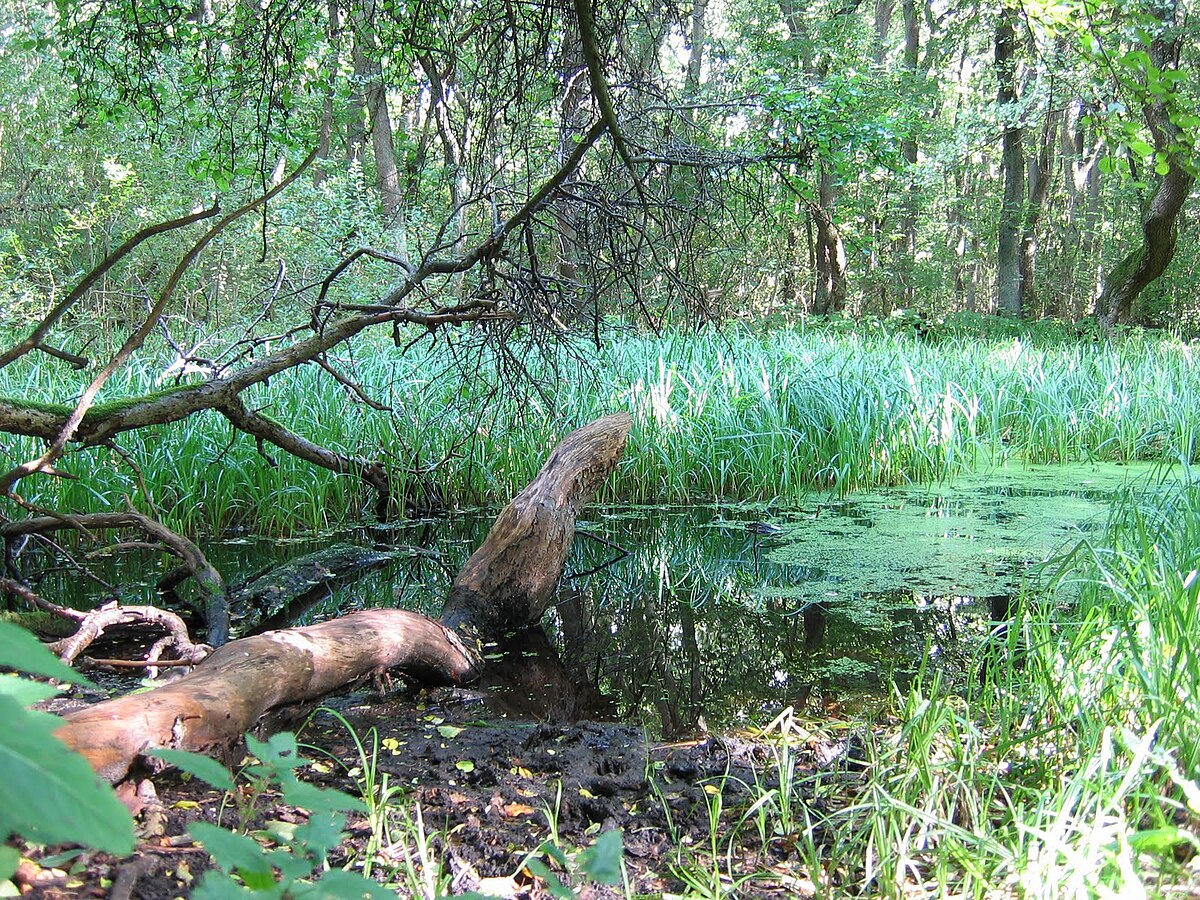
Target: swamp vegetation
{"points": [[737, 449], [1001, 649]]}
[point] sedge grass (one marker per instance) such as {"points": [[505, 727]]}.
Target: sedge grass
{"points": [[722, 416], [1073, 770]]}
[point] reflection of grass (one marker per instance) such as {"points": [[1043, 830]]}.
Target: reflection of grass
{"points": [[734, 416]]}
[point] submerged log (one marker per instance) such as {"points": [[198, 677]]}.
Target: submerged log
{"points": [[278, 597], [507, 583]]}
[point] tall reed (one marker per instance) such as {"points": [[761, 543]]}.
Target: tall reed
{"points": [[1074, 770], [729, 415]]}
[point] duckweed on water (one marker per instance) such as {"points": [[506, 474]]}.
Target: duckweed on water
{"points": [[976, 537]]}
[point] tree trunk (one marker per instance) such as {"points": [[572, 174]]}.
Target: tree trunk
{"points": [[368, 72], [1143, 265], [908, 148], [829, 295], [333, 30], [1160, 221], [1012, 168], [695, 64], [573, 71], [1039, 183], [883, 24], [507, 583]]}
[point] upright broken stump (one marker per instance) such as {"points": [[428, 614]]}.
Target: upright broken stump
{"points": [[507, 583]]}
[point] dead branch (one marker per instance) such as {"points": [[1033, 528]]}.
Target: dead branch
{"points": [[38, 335], [263, 428], [36, 600], [73, 421], [508, 582], [94, 624], [208, 579], [91, 427]]}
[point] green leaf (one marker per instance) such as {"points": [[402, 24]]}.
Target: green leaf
{"points": [[216, 885], [51, 794], [315, 799], [24, 691], [340, 883], [465, 765], [21, 650], [9, 860], [602, 861], [320, 834], [279, 751], [203, 767], [552, 881], [1160, 840], [231, 852], [449, 732]]}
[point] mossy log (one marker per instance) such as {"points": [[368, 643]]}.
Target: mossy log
{"points": [[278, 597], [507, 583]]}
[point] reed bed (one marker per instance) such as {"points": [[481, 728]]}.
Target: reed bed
{"points": [[719, 416]]}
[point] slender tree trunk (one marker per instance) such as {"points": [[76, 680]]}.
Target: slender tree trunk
{"points": [[573, 70], [696, 41], [1012, 169], [333, 31], [883, 24], [829, 295], [1040, 168], [452, 149], [906, 262], [829, 257], [368, 72], [1160, 220]]}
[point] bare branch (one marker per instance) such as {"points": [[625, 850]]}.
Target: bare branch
{"points": [[39, 333], [211, 585], [139, 337], [11, 586], [352, 387]]}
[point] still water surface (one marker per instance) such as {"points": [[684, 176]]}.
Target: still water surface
{"points": [[681, 618]]}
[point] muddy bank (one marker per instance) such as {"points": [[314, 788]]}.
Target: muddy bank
{"points": [[489, 792]]}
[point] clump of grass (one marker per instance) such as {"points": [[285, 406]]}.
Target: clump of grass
{"points": [[1072, 772], [728, 416]]}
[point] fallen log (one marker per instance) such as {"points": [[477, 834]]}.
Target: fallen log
{"points": [[278, 597], [507, 583]]}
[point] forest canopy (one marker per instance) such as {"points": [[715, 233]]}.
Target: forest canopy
{"points": [[758, 158]]}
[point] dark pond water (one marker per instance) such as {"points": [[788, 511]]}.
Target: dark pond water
{"points": [[681, 618]]}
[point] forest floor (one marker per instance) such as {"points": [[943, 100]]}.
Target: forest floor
{"points": [[489, 793]]}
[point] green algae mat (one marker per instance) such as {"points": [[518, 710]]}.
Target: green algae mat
{"points": [[977, 536]]}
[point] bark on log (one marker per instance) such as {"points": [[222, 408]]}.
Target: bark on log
{"points": [[508, 582], [510, 579], [241, 682]]}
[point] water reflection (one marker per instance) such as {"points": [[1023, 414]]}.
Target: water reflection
{"points": [[701, 617]]}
